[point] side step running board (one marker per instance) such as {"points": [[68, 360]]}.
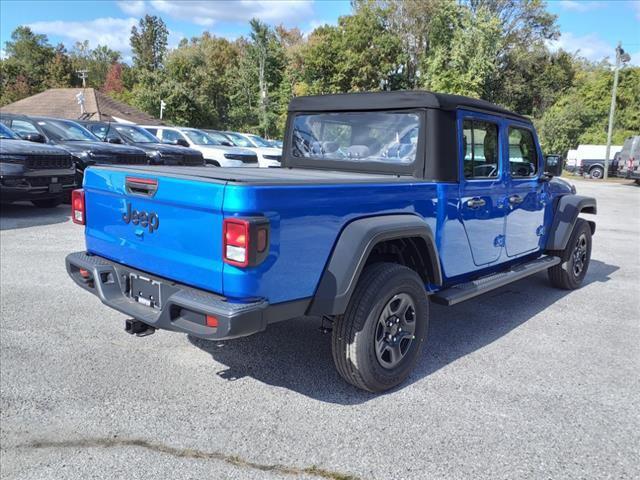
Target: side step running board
{"points": [[465, 291]]}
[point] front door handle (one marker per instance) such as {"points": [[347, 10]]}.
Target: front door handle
{"points": [[476, 203], [515, 199]]}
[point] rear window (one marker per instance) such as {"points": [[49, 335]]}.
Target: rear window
{"points": [[387, 137]]}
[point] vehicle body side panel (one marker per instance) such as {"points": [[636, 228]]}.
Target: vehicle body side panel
{"points": [[352, 249]]}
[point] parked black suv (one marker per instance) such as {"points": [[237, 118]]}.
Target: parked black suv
{"points": [[85, 148], [41, 174], [158, 153]]}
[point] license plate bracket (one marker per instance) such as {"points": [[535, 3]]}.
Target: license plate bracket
{"points": [[55, 188], [145, 291]]}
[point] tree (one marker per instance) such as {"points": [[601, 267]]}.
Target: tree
{"points": [[59, 70], [113, 83], [149, 43], [360, 53], [580, 115], [26, 67], [463, 52]]}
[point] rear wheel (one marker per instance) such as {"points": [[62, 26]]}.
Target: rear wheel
{"points": [[596, 172], [378, 340], [570, 272], [47, 203]]}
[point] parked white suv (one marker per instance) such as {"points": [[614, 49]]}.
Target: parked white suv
{"points": [[213, 152], [268, 156]]}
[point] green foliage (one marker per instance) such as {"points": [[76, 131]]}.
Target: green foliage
{"points": [[581, 115], [464, 51], [149, 42], [25, 70]]}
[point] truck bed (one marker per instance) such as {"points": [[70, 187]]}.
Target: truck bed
{"points": [[264, 176]]}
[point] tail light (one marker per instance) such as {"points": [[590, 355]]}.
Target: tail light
{"points": [[245, 241], [78, 211]]}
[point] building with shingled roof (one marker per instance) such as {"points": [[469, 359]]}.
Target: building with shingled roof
{"points": [[65, 103]]}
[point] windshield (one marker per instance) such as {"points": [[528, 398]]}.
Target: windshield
{"points": [[135, 134], [5, 133], [259, 141], [199, 137], [65, 131], [388, 137], [239, 140], [218, 137]]}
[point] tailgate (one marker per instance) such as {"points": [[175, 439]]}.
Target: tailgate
{"points": [[173, 230]]}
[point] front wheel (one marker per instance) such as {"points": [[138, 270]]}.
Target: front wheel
{"points": [[378, 340], [570, 272]]}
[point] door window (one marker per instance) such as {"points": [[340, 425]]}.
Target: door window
{"points": [[171, 135], [523, 156], [22, 127], [480, 147]]}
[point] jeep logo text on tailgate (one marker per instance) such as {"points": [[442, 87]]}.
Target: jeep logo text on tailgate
{"points": [[148, 220]]}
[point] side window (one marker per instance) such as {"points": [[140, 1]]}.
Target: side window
{"points": [[523, 156], [99, 130], [152, 131], [23, 128], [480, 147], [170, 135]]}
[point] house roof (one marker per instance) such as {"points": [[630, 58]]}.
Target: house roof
{"points": [[62, 103]]}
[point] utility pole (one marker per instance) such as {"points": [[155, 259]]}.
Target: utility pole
{"points": [[162, 106], [83, 75], [621, 58]]}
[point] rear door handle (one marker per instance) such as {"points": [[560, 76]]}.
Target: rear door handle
{"points": [[476, 203], [515, 199]]}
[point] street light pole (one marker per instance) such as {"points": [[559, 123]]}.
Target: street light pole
{"points": [[621, 58]]}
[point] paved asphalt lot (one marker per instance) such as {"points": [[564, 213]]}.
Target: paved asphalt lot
{"points": [[525, 382]]}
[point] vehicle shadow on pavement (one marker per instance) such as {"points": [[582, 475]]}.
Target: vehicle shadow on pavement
{"points": [[24, 215], [295, 355]]}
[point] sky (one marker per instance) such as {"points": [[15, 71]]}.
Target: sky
{"points": [[591, 27]]}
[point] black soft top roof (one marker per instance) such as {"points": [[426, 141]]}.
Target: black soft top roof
{"points": [[395, 100]]}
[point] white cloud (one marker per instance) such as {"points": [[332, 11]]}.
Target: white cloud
{"points": [[580, 5], [636, 6], [208, 13], [112, 32], [590, 46], [132, 7]]}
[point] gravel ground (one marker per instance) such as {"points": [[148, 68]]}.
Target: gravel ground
{"points": [[524, 382]]}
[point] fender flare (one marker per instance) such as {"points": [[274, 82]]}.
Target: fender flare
{"points": [[565, 216], [350, 253]]}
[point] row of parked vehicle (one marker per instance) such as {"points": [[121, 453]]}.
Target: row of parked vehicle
{"points": [[42, 159]]}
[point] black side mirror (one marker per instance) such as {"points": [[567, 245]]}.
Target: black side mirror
{"points": [[181, 142], [114, 140], [35, 137], [553, 165]]}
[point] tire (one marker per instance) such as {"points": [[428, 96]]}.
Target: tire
{"points": [[597, 172], [570, 272], [47, 203], [382, 287]]}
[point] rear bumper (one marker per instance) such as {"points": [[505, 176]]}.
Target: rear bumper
{"points": [[181, 308]]}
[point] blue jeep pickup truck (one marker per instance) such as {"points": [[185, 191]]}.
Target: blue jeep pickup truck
{"points": [[384, 202]]}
